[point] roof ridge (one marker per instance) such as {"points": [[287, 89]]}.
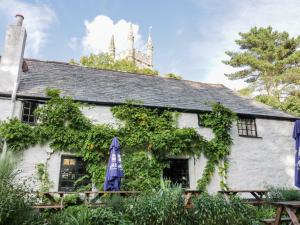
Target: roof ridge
{"points": [[118, 71]]}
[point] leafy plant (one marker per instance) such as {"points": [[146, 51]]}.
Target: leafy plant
{"points": [[157, 208], [173, 75], [14, 205], [216, 210], [43, 177], [283, 194], [72, 199]]}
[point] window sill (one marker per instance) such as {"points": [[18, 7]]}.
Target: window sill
{"points": [[246, 136]]}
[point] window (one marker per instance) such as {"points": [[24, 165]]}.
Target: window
{"points": [[247, 127], [178, 172], [27, 112], [72, 168]]}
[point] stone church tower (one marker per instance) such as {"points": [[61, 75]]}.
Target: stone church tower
{"points": [[143, 59]]}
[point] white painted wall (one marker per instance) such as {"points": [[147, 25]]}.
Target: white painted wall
{"points": [[260, 162], [5, 109], [254, 162]]}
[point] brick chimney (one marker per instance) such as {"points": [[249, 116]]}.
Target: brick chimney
{"points": [[12, 57]]}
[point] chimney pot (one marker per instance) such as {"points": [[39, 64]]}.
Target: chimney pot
{"points": [[19, 19]]}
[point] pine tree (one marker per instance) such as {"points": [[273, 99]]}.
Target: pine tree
{"points": [[269, 61]]}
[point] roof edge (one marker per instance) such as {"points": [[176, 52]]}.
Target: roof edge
{"points": [[28, 97]]}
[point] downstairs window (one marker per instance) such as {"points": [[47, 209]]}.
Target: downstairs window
{"points": [[178, 172], [72, 168]]}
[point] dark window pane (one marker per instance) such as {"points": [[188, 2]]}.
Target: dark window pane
{"points": [[247, 127], [25, 118], [72, 168], [28, 112], [178, 172]]}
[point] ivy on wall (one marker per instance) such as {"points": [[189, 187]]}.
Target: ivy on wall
{"points": [[147, 136]]}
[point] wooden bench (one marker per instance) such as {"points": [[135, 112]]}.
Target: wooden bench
{"points": [[41, 207], [272, 221]]}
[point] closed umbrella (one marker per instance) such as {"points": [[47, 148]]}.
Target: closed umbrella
{"points": [[114, 170], [296, 136]]}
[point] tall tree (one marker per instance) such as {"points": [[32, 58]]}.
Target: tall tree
{"points": [[269, 61]]}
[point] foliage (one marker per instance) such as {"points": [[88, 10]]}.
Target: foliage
{"points": [[147, 136], [80, 215], [215, 210], [265, 212], [18, 135], [283, 194], [142, 172], [157, 208], [72, 199], [217, 150], [43, 177], [269, 60], [173, 75], [14, 206], [290, 104], [104, 61]]}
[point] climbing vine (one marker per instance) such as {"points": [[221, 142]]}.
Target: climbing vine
{"points": [[147, 136], [43, 177]]}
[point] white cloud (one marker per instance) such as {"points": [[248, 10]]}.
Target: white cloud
{"points": [[99, 32], [38, 19], [282, 15]]}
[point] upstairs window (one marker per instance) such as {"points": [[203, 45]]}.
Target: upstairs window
{"points": [[247, 127], [178, 172], [27, 112]]}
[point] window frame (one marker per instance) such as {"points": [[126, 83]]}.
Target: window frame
{"points": [[30, 113], [77, 175], [243, 123], [186, 173]]}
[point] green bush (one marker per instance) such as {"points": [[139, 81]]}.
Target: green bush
{"points": [[81, 215], [72, 199], [215, 210], [283, 194], [157, 207], [14, 206], [108, 216]]}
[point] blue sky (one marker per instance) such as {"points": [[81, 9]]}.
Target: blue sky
{"points": [[190, 36]]}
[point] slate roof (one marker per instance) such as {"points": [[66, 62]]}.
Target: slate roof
{"points": [[111, 87]]}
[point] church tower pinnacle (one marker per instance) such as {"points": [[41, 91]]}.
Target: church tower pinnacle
{"points": [[112, 48], [150, 48], [130, 54]]}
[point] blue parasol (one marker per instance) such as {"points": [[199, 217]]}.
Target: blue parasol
{"points": [[114, 170], [296, 136]]}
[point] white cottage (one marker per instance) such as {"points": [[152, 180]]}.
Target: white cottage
{"points": [[263, 149]]}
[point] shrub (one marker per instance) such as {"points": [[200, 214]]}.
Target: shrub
{"points": [[81, 215], [108, 216], [283, 194], [215, 210], [14, 206], [72, 199], [157, 207]]}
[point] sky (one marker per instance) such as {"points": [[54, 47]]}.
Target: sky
{"points": [[190, 36]]}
